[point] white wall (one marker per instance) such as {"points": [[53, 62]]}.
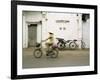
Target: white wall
{"points": [[86, 33], [71, 27]]}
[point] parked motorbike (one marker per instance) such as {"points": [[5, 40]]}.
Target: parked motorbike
{"points": [[52, 51], [62, 43]]}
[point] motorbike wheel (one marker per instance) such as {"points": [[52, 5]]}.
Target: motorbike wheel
{"points": [[54, 54], [72, 45], [37, 53], [60, 45]]}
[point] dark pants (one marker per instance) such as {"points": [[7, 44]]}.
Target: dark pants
{"points": [[48, 45]]}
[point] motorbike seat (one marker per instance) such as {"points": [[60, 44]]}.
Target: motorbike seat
{"points": [[60, 38], [74, 40]]}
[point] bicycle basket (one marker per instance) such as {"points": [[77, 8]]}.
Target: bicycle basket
{"points": [[38, 44]]}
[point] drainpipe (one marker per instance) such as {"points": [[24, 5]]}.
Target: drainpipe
{"points": [[80, 30], [43, 26]]}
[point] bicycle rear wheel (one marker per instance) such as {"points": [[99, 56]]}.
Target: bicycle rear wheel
{"points": [[54, 54], [72, 45]]}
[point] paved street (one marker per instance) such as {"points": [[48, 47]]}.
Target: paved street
{"points": [[65, 58]]}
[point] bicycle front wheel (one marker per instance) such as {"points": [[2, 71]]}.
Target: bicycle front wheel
{"points": [[37, 53]]}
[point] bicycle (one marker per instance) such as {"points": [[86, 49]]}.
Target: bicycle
{"points": [[83, 45], [74, 44], [52, 51]]}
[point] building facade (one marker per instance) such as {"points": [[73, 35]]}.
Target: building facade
{"points": [[37, 24]]}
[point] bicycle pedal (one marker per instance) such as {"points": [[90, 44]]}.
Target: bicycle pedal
{"points": [[47, 54]]}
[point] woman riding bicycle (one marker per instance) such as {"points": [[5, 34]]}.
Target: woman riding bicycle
{"points": [[51, 50], [49, 41]]}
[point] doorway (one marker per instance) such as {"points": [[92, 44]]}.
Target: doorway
{"points": [[32, 35]]}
